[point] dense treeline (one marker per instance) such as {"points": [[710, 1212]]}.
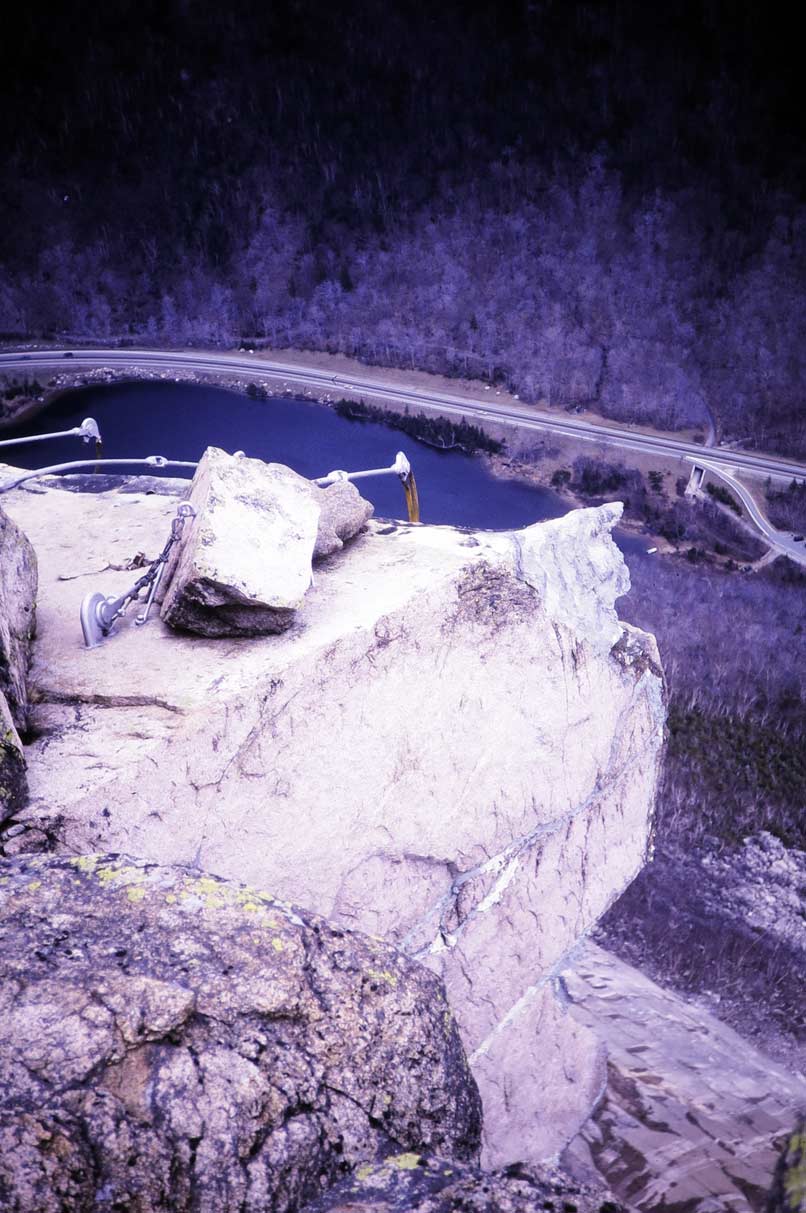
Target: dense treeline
{"points": [[16, 389], [737, 753], [786, 508], [441, 432], [595, 204], [719, 493]]}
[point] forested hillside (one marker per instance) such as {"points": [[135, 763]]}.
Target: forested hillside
{"points": [[596, 204]]}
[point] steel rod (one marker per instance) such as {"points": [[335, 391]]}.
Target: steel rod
{"points": [[153, 461], [401, 467], [88, 430]]}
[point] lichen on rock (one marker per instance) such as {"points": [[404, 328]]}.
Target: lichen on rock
{"points": [[171, 1041], [433, 1185], [788, 1193]]}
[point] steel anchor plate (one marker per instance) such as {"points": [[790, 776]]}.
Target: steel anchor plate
{"points": [[93, 624]]}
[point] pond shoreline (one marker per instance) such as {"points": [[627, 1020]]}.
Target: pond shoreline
{"points": [[66, 383], [503, 465]]}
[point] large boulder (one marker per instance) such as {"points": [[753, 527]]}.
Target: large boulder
{"points": [[455, 746], [170, 1041], [244, 562]]}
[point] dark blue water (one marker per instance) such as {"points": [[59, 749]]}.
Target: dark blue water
{"points": [[180, 420]]}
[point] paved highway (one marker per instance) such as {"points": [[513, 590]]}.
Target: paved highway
{"points": [[783, 541], [291, 375]]}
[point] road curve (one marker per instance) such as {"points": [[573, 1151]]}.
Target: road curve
{"points": [[783, 541], [292, 374]]}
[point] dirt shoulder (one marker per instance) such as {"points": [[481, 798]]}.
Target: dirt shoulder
{"points": [[473, 390]]}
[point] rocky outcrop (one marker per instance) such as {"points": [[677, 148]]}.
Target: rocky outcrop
{"points": [[170, 1041], [18, 582], [244, 565], [454, 746], [342, 514], [410, 1181], [576, 570], [764, 884]]}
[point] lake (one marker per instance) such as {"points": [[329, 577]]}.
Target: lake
{"points": [[179, 420]]}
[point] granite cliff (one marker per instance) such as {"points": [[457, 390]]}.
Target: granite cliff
{"points": [[454, 746]]}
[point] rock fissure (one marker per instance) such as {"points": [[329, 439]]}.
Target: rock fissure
{"points": [[502, 865], [45, 695], [266, 722]]}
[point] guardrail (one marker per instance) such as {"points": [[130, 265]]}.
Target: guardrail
{"points": [[400, 468], [99, 613]]}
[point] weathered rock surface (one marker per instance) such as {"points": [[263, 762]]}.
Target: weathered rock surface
{"points": [[579, 590], [446, 749], [13, 778], [693, 1115], [342, 514], [18, 584], [410, 1181], [169, 1041], [244, 563]]}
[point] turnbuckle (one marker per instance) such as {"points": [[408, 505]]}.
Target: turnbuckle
{"points": [[99, 613]]}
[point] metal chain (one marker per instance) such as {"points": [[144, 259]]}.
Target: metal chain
{"points": [[148, 579]]}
